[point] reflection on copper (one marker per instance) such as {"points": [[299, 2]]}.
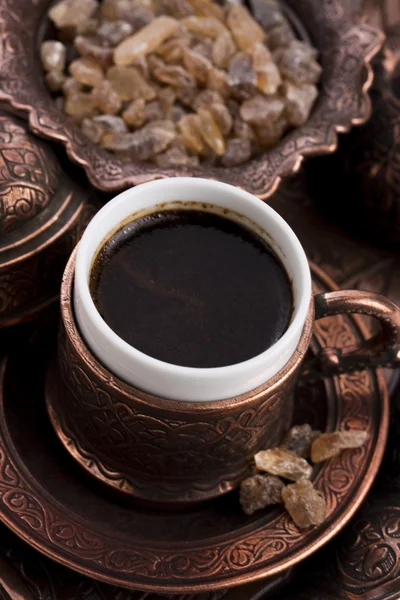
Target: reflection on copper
{"points": [[42, 213]]}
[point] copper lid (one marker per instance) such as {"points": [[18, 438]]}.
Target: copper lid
{"points": [[40, 209]]}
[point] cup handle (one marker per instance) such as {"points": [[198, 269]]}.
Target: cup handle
{"points": [[381, 350]]}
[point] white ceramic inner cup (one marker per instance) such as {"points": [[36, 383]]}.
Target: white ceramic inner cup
{"points": [[161, 378]]}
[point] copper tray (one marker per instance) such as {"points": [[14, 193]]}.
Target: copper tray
{"points": [[346, 47], [47, 500]]}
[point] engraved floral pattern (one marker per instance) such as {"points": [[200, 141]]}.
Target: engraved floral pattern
{"points": [[29, 175], [118, 436], [346, 46], [367, 559]]}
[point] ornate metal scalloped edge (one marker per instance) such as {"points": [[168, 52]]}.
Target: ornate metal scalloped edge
{"points": [[261, 176], [94, 554]]}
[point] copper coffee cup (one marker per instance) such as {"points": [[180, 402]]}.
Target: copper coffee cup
{"points": [[168, 451]]}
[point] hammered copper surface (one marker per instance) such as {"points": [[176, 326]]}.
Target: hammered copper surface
{"points": [[346, 47], [54, 507], [40, 208]]}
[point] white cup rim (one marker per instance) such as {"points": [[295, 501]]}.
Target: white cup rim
{"points": [[208, 375]]}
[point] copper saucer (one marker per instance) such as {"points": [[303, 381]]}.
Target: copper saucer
{"points": [[53, 506]]}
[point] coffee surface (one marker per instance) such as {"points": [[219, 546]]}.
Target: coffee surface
{"points": [[192, 288]]}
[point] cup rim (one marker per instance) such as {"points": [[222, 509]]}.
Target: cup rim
{"points": [[210, 374]]}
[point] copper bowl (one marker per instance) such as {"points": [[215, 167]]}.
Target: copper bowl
{"points": [[346, 47]]}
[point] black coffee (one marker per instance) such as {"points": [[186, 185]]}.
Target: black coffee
{"points": [[192, 288]]}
